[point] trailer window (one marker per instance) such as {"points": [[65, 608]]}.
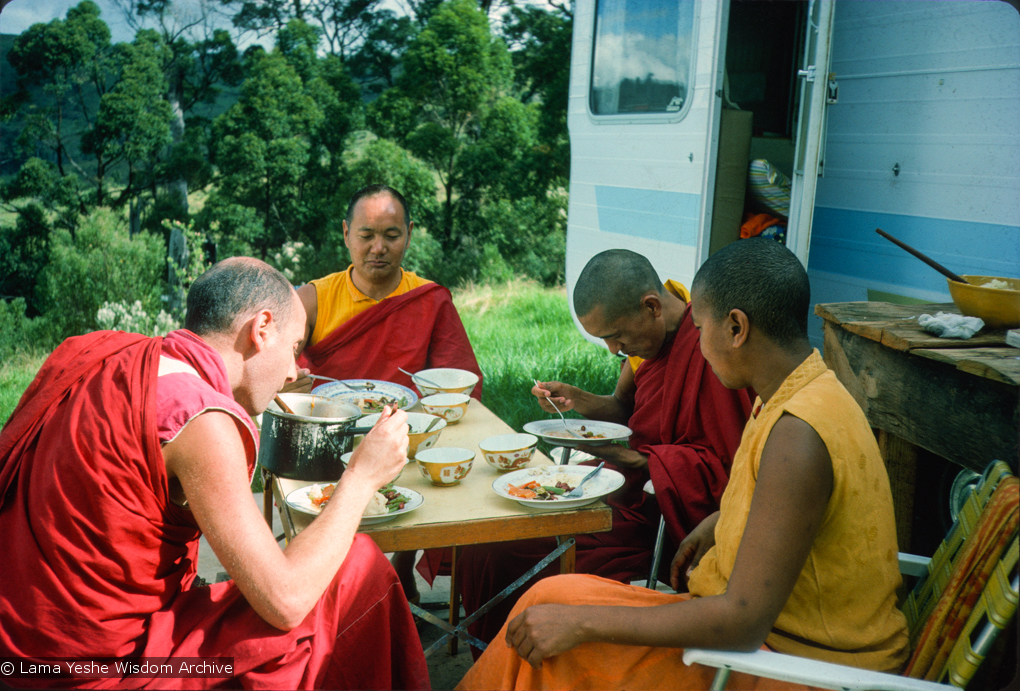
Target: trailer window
{"points": [[641, 61]]}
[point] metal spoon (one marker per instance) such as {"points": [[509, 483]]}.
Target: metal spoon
{"points": [[367, 387], [577, 491], [572, 432], [423, 379]]}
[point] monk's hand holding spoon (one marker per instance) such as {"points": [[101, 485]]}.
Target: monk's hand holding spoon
{"points": [[543, 631], [383, 452], [560, 393]]}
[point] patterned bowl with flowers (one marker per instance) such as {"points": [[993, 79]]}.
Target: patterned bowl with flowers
{"points": [[506, 452]]}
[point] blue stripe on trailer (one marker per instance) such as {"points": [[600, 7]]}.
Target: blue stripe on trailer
{"points": [[652, 214]]}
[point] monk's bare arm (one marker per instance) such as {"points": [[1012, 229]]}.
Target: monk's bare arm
{"points": [[310, 301], [616, 407], [790, 499], [208, 459]]}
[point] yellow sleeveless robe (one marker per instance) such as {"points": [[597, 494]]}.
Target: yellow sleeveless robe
{"points": [[843, 605], [340, 301]]}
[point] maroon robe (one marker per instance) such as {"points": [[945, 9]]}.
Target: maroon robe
{"points": [[417, 330], [689, 426], [99, 563]]}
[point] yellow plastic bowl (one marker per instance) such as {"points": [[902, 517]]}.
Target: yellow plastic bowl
{"points": [[999, 308]]}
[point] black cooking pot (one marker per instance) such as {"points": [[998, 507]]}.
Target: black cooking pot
{"points": [[308, 444]]}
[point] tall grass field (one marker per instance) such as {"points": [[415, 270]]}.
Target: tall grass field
{"points": [[520, 332]]}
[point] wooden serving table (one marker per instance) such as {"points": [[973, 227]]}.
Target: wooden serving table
{"points": [[957, 398], [465, 514]]}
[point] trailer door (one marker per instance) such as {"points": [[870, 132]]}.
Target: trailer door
{"points": [[642, 114], [808, 156]]}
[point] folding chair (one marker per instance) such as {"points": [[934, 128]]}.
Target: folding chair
{"points": [[653, 572], [992, 612]]}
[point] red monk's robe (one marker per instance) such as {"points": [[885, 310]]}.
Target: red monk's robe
{"points": [[99, 563], [417, 330], [689, 426]]}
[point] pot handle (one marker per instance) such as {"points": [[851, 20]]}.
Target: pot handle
{"points": [[357, 430]]}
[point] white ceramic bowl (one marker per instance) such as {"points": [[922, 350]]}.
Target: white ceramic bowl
{"points": [[446, 465], [449, 380], [507, 452], [452, 407]]}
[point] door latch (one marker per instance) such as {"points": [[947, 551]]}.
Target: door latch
{"points": [[832, 90], [808, 74]]}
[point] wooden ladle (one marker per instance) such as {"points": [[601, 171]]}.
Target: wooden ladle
{"points": [[926, 259], [283, 406]]}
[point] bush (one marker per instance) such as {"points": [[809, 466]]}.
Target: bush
{"points": [[134, 318], [100, 264]]}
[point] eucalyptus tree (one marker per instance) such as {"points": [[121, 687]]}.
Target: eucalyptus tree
{"points": [[342, 24], [540, 41], [456, 79], [279, 149], [199, 61]]}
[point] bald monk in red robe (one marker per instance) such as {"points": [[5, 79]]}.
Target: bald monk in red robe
{"points": [[686, 427], [125, 449], [375, 318]]}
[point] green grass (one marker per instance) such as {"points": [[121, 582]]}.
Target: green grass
{"points": [[520, 332], [16, 373]]}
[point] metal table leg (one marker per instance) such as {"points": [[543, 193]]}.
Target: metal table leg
{"points": [[459, 630]]}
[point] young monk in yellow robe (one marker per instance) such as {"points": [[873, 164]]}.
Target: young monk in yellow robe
{"points": [[801, 558]]}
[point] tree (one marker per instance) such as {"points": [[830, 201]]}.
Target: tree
{"points": [[198, 61], [67, 59], [540, 43], [280, 148], [454, 73], [342, 23], [132, 123]]}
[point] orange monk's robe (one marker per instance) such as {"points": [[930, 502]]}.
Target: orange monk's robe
{"points": [[100, 564], [843, 605], [415, 327], [688, 425]]}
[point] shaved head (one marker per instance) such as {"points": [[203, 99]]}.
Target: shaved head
{"points": [[615, 280], [234, 289], [764, 280]]}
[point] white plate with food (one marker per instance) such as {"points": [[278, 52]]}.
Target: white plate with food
{"points": [[593, 432], [556, 481], [388, 503], [369, 400]]}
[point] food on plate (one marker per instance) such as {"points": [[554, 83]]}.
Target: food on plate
{"points": [[375, 404], [538, 492], [376, 505], [320, 494], [386, 500], [549, 483], [582, 431]]}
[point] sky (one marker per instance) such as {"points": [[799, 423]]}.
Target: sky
{"points": [[18, 15]]}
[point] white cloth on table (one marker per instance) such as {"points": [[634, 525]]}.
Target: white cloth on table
{"points": [[950, 325]]}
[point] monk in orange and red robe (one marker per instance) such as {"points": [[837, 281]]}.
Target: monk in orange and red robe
{"points": [[375, 318], [801, 556], [686, 428], [124, 450]]}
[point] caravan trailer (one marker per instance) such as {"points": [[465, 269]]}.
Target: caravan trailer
{"points": [[900, 115]]}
